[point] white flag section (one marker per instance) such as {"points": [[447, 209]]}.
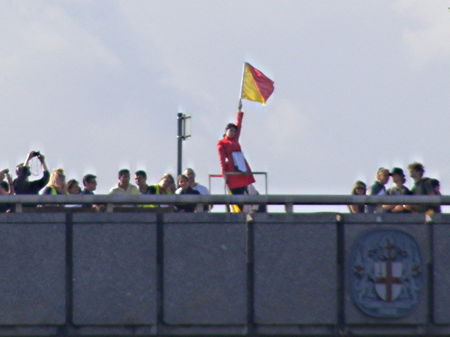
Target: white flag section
{"points": [[239, 161]]}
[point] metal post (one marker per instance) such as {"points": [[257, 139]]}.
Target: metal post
{"points": [[180, 142], [182, 135]]}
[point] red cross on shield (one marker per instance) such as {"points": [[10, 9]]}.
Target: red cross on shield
{"points": [[388, 283]]}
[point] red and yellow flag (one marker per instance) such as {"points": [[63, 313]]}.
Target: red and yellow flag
{"points": [[256, 86]]}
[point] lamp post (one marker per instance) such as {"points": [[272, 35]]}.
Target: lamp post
{"points": [[183, 134]]}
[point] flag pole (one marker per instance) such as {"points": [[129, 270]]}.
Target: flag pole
{"points": [[242, 88]]}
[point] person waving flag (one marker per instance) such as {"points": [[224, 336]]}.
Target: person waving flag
{"points": [[238, 175], [234, 166]]}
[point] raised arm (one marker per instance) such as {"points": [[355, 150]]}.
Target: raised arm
{"points": [[10, 184], [28, 158], [43, 164], [239, 118]]}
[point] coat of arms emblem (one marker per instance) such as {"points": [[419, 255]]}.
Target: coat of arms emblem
{"points": [[385, 273]]}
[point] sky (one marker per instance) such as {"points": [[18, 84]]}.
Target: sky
{"points": [[96, 86]]}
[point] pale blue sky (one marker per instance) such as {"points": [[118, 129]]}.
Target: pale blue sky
{"points": [[96, 86]]}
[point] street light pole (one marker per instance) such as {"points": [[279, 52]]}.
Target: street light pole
{"points": [[181, 135], [180, 142]]}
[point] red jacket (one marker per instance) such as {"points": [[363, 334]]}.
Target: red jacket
{"points": [[226, 147]]}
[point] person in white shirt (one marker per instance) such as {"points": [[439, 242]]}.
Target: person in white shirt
{"points": [[124, 186], [188, 172]]}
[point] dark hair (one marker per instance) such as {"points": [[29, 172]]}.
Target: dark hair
{"points": [[417, 167], [71, 182], [88, 178], [183, 176], [123, 172], [141, 173], [230, 125], [357, 184], [434, 183], [22, 171]]}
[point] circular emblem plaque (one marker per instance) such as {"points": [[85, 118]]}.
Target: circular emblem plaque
{"points": [[385, 273]]}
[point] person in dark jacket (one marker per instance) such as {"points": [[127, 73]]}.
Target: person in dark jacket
{"points": [[436, 190], [21, 184], [422, 186], [185, 188], [90, 184], [399, 188]]}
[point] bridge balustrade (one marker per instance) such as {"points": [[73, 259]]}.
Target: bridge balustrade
{"points": [[136, 272]]}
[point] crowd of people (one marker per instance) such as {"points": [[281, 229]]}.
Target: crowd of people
{"points": [[55, 183], [235, 169], [422, 186], [237, 174]]}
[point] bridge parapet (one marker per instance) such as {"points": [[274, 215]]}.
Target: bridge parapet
{"points": [[75, 273]]}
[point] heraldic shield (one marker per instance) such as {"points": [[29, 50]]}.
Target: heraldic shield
{"points": [[385, 273]]}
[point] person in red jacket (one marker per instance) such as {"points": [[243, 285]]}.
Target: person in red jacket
{"points": [[232, 159]]}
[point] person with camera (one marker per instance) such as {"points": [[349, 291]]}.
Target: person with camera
{"points": [[21, 184]]}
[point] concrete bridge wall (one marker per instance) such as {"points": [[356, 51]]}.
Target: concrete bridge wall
{"points": [[92, 274]]}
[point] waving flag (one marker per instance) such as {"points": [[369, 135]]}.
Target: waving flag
{"points": [[256, 86]]}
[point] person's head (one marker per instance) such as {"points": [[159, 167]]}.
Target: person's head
{"points": [[57, 178], [140, 177], [416, 170], [190, 174], [73, 187], [167, 182], [397, 176], [22, 171], [230, 130], [90, 182], [3, 174], [436, 186], [124, 177], [359, 188], [183, 182], [382, 175]]}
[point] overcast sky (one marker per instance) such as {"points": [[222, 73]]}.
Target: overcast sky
{"points": [[96, 86]]}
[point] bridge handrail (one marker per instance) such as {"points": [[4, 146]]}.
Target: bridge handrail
{"points": [[220, 199]]}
